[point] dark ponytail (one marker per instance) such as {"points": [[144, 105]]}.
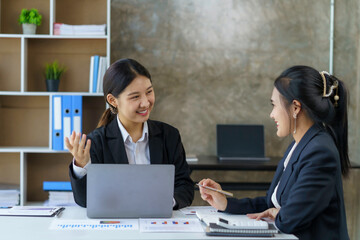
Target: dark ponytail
{"points": [[306, 85], [118, 76]]}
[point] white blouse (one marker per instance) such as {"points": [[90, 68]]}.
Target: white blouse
{"points": [[273, 196]]}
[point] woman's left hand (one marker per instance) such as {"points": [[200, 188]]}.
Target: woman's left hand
{"points": [[270, 213]]}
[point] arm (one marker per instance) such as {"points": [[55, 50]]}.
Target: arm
{"points": [[184, 186]]}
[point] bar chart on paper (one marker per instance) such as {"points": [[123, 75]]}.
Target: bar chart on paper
{"points": [[170, 225], [128, 224]]}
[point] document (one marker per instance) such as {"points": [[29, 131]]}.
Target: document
{"points": [[192, 210], [170, 225], [31, 211], [114, 224]]}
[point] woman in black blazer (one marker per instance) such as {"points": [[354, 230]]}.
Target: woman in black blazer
{"points": [[126, 135], [305, 197]]}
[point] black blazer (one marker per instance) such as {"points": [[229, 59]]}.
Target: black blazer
{"points": [[310, 192], [107, 146]]}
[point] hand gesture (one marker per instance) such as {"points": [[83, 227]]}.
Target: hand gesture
{"points": [[77, 148], [270, 213], [215, 199]]}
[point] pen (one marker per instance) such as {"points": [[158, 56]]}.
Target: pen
{"points": [[216, 190], [58, 212]]}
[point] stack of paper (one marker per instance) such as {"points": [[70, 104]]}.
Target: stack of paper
{"points": [[9, 195], [60, 193], [65, 29]]}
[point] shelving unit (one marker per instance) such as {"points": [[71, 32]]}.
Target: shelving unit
{"points": [[26, 157]]}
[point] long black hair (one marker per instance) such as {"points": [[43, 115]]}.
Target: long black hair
{"points": [[118, 76], [306, 85]]}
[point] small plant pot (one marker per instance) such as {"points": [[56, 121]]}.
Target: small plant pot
{"points": [[52, 85], [29, 28]]}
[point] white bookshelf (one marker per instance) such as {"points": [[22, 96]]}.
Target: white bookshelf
{"points": [[25, 106]]}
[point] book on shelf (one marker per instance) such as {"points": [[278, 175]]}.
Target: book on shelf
{"points": [[98, 67], [9, 195], [191, 158], [78, 30], [60, 193]]}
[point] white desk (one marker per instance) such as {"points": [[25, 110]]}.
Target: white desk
{"points": [[37, 228]]}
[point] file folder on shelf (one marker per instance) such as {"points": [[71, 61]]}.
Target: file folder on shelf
{"points": [[96, 72], [66, 116], [57, 134], [56, 186], [76, 118]]}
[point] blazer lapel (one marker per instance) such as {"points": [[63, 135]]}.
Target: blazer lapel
{"points": [[155, 143], [115, 143], [278, 174], [294, 158]]}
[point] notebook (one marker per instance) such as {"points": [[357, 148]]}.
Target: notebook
{"points": [[240, 142], [211, 218], [130, 191]]}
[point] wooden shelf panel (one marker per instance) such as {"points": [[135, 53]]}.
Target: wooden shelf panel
{"points": [[45, 167], [10, 12], [24, 121], [73, 53], [81, 12], [10, 62], [10, 168], [93, 108]]}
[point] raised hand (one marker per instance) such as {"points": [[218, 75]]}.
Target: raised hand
{"points": [[77, 148]]}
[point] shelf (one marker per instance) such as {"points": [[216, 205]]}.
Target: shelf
{"points": [[10, 62], [10, 11], [74, 54], [19, 93], [47, 36]]}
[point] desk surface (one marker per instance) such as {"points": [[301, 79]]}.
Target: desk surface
{"points": [[38, 228]]}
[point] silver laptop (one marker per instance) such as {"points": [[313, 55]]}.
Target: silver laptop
{"points": [[130, 191], [240, 142]]}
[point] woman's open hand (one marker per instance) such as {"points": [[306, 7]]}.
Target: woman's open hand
{"points": [[77, 148]]}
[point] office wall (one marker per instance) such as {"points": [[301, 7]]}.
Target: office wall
{"points": [[214, 61]]}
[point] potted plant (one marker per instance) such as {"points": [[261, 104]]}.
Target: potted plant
{"points": [[53, 72], [29, 20]]}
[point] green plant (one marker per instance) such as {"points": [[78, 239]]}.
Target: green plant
{"points": [[54, 70], [31, 16]]}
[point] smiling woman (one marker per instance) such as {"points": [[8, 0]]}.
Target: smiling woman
{"points": [[126, 135]]}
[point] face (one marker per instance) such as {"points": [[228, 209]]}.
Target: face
{"points": [[280, 115], [135, 103]]}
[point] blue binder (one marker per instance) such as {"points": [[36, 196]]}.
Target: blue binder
{"points": [[66, 117], [96, 72], [76, 118], [56, 186], [57, 134]]}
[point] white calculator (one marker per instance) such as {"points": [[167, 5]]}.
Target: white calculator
{"points": [[243, 224]]}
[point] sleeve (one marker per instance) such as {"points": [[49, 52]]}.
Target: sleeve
{"points": [[246, 205], [184, 186], [78, 185], [312, 191]]}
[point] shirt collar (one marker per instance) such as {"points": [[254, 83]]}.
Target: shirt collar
{"points": [[126, 136]]}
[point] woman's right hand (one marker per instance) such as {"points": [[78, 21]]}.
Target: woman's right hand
{"points": [[215, 199], [77, 148]]}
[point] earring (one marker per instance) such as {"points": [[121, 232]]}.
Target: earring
{"points": [[113, 109], [294, 115]]}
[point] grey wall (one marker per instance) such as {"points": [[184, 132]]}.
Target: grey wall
{"points": [[214, 61]]}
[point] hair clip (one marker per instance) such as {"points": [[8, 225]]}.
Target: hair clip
{"points": [[334, 86]]}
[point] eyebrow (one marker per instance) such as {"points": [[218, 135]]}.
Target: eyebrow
{"points": [[138, 92]]}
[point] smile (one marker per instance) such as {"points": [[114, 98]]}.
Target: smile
{"points": [[142, 112]]}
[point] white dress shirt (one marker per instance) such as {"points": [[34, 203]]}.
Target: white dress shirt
{"points": [[273, 196]]}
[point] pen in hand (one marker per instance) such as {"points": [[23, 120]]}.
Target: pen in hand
{"points": [[216, 190]]}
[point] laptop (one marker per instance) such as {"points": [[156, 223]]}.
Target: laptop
{"points": [[130, 191], [240, 142]]}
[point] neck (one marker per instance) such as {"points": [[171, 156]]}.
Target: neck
{"points": [[303, 125], [133, 128]]}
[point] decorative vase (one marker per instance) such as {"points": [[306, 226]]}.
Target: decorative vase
{"points": [[52, 85], [29, 28]]}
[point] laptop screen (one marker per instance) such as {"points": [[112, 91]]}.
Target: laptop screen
{"points": [[240, 140]]}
